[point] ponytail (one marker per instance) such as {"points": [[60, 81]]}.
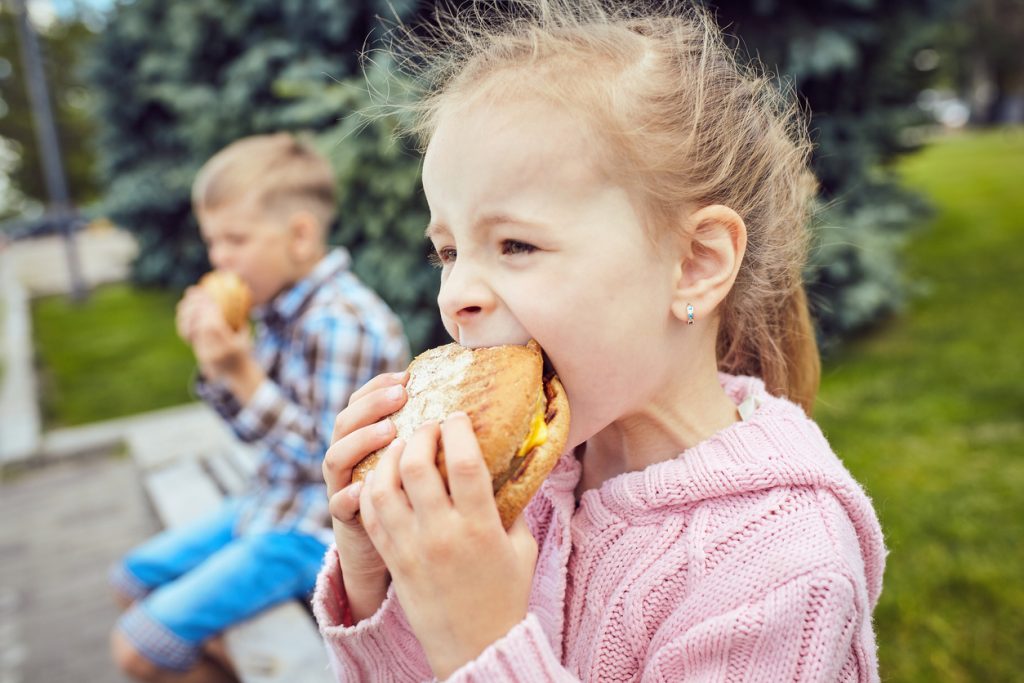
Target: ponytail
{"points": [[781, 349]]}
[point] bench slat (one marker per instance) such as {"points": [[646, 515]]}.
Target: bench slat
{"points": [[181, 493], [226, 474], [244, 458], [279, 645]]}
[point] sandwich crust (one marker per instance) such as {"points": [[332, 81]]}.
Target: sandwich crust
{"points": [[232, 295], [536, 465]]}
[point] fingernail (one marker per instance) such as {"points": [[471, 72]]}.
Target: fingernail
{"points": [[384, 427], [368, 478], [398, 376], [395, 393], [353, 489]]}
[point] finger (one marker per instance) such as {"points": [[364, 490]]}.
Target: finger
{"points": [[181, 321], [385, 487], [380, 381], [185, 315], [371, 408], [469, 480], [344, 504], [370, 519], [345, 453], [198, 295], [418, 470]]}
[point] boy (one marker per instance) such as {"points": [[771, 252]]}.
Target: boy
{"points": [[264, 205]]}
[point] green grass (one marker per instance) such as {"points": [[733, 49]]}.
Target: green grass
{"points": [[117, 354], [928, 413]]}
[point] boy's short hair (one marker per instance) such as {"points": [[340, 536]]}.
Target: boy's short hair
{"points": [[279, 171]]}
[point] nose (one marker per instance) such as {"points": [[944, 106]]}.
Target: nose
{"points": [[465, 295]]}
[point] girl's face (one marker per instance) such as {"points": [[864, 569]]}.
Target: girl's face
{"points": [[536, 241]]}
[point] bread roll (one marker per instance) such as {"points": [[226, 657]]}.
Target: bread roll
{"points": [[232, 295]]}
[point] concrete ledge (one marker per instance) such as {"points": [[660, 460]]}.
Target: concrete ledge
{"points": [[19, 409], [153, 438]]}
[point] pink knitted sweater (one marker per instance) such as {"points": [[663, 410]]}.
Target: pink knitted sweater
{"points": [[753, 556]]}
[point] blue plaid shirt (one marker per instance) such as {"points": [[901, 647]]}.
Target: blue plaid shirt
{"points": [[318, 341]]}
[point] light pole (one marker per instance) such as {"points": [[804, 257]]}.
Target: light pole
{"points": [[49, 146]]}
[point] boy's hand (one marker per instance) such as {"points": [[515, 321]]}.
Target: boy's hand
{"points": [[463, 581], [360, 429], [222, 353]]}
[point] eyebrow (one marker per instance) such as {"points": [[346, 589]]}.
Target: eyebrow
{"points": [[488, 221]]}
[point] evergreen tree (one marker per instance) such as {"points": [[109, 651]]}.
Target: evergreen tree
{"points": [[852, 65], [176, 82], [61, 44]]}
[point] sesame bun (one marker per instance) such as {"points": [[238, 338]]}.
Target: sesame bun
{"points": [[232, 295], [501, 389]]}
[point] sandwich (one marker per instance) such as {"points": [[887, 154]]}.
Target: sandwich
{"points": [[519, 413], [232, 295]]}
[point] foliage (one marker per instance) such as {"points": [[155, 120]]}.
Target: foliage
{"points": [[981, 58], [927, 414], [61, 44], [383, 212], [852, 65], [117, 354], [176, 82]]}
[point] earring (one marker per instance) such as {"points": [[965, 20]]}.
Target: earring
{"points": [[689, 314]]}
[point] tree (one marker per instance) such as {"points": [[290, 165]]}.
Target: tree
{"points": [[62, 44], [983, 59], [851, 63], [178, 81]]}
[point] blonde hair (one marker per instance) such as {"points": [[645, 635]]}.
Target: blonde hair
{"points": [[279, 171], [687, 126]]}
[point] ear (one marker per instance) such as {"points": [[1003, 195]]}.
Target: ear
{"points": [[306, 236], [711, 248]]}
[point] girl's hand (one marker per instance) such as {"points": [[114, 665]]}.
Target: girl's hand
{"points": [[463, 581], [359, 430]]}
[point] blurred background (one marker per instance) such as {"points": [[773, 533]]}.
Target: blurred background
{"points": [[108, 108]]}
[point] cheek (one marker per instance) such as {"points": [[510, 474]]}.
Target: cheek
{"points": [[604, 339], [450, 327]]}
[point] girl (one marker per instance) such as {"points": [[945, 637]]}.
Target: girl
{"points": [[613, 185]]}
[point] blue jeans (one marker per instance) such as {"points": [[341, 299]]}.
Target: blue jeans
{"points": [[193, 582]]}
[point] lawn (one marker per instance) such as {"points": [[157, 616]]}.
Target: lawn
{"points": [[116, 354], [928, 413]]}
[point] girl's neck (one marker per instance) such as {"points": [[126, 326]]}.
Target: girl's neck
{"points": [[681, 417]]}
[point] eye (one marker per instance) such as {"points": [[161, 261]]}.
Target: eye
{"points": [[442, 257], [513, 247]]}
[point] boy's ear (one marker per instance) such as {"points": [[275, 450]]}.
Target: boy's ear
{"points": [[711, 247], [307, 242]]}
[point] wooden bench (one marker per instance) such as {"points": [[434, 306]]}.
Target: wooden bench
{"points": [[280, 645]]}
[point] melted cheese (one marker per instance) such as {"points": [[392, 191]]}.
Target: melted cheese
{"points": [[538, 430]]}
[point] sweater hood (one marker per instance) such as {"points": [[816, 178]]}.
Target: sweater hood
{"points": [[776, 446]]}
